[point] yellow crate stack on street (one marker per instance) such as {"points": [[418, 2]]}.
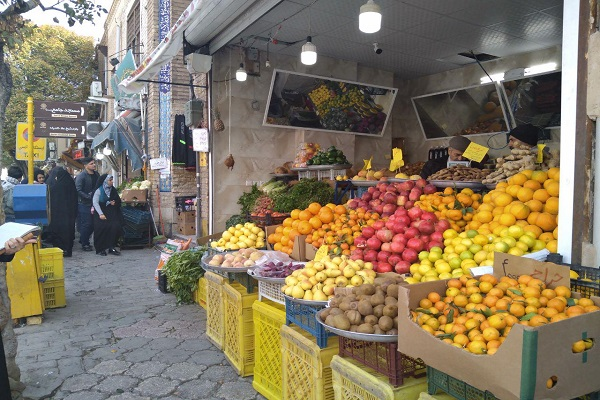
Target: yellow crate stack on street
{"points": [[269, 317], [52, 268], [238, 340], [306, 368], [353, 380], [25, 292], [215, 321], [201, 292]]}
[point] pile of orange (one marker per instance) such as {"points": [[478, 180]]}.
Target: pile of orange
{"points": [[478, 314], [528, 199], [456, 207], [331, 224]]}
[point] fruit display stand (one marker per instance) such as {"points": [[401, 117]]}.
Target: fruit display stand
{"points": [[383, 358], [269, 288], [269, 317], [303, 313], [233, 275], [306, 367], [215, 320], [529, 356], [352, 380], [238, 339]]}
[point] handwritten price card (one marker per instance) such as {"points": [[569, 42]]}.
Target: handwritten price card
{"points": [[322, 252], [475, 152]]}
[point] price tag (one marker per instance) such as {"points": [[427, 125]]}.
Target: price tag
{"points": [[475, 152], [397, 160], [540, 153], [322, 252], [368, 164]]}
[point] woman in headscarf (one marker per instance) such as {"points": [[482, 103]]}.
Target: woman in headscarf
{"points": [[63, 209], [108, 218]]}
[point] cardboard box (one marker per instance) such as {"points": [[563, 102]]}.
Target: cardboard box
{"points": [[299, 249], [134, 195], [528, 356], [187, 229], [310, 251], [186, 217]]}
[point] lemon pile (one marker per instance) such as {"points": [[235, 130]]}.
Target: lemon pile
{"points": [[241, 237]]}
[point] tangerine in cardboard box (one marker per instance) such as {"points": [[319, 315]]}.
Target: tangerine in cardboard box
{"points": [[527, 358]]}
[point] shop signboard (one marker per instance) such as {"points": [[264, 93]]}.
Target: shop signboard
{"points": [[60, 128], [22, 145], [60, 110], [320, 103]]}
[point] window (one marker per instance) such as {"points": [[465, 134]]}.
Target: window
{"points": [[133, 32]]}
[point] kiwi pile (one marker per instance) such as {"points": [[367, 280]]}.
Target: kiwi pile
{"points": [[368, 308]]}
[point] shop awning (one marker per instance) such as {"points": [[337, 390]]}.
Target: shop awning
{"points": [[204, 21], [125, 133]]}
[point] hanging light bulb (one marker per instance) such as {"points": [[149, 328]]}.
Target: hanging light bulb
{"points": [[309, 52], [107, 151], [99, 155], [241, 73], [369, 20]]}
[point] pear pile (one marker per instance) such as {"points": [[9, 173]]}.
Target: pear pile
{"points": [[317, 280]]}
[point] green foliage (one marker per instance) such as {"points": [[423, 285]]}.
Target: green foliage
{"points": [[52, 64], [183, 271], [247, 200], [234, 220], [302, 194]]}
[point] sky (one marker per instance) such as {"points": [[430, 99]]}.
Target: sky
{"points": [[96, 30]]}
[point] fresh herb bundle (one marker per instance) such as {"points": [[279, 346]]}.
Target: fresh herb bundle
{"points": [[302, 194], [183, 271], [247, 200]]}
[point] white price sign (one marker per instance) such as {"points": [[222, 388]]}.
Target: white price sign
{"points": [[200, 140], [159, 163]]}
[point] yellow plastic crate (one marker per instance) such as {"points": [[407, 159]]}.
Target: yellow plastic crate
{"points": [[353, 380], [54, 293], [305, 366], [201, 292], [51, 263], [238, 341], [215, 322], [269, 317]]}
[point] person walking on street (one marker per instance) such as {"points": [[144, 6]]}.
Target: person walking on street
{"points": [[85, 184], [108, 218], [15, 174], [63, 209]]}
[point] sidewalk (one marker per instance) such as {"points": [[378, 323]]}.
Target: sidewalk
{"points": [[119, 338]]}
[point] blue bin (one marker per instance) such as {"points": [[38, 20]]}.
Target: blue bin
{"points": [[30, 204]]}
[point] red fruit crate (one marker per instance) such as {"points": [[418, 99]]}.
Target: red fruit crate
{"points": [[383, 358]]}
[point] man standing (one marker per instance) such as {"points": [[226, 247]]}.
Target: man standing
{"points": [[456, 147], [15, 174], [85, 184]]}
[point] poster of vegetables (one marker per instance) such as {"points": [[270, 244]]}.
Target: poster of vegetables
{"points": [[320, 103]]}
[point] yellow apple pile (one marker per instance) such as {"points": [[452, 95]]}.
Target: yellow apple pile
{"points": [[317, 280], [241, 237]]}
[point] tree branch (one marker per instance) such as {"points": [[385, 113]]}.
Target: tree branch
{"points": [[21, 7]]}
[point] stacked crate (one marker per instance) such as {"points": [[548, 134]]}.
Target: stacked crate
{"points": [[53, 277]]}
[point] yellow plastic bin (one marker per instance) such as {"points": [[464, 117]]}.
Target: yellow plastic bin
{"points": [[24, 289]]}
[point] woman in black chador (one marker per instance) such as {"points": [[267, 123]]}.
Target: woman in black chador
{"points": [[63, 209], [108, 218]]}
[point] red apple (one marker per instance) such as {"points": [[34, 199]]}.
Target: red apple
{"points": [[421, 183], [401, 200], [402, 267], [409, 204], [409, 255], [426, 227], [378, 209], [389, 224], [397, 247], [442, 225], [367, 231], [385, 235], [352, 204], [360, 241], [390, 198], [404, 220], [435, 236], [414, 194], [415, 213], [415, 244], [356, 255], [399, 238], [383, 267], [398, 227], [373, 243], [370, 255], [429, 189], [376, 194], [393, 259], [383, 256], [379, 224], [386, 246], [367, 196], [411, 232], [371, 189], [389, 208]]}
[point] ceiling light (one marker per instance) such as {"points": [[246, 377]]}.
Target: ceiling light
{"points": [[309, 52], [495, 78], [369, 20], [241, 73], [107, 151], [540, 69]]}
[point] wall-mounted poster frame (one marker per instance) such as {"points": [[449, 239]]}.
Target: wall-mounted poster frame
{"points": [[319, 103]]}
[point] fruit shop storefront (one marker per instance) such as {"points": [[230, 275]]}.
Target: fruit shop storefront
{"points": [[432, 233]]}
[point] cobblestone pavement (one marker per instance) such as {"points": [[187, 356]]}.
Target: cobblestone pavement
{"points": [[119, 338]]}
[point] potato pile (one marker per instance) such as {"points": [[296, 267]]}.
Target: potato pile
{"points": [[507, 166], [368, 308], [459, 173]]}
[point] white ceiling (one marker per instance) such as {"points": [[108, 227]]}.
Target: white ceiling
{"points": [[418, 37]]}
